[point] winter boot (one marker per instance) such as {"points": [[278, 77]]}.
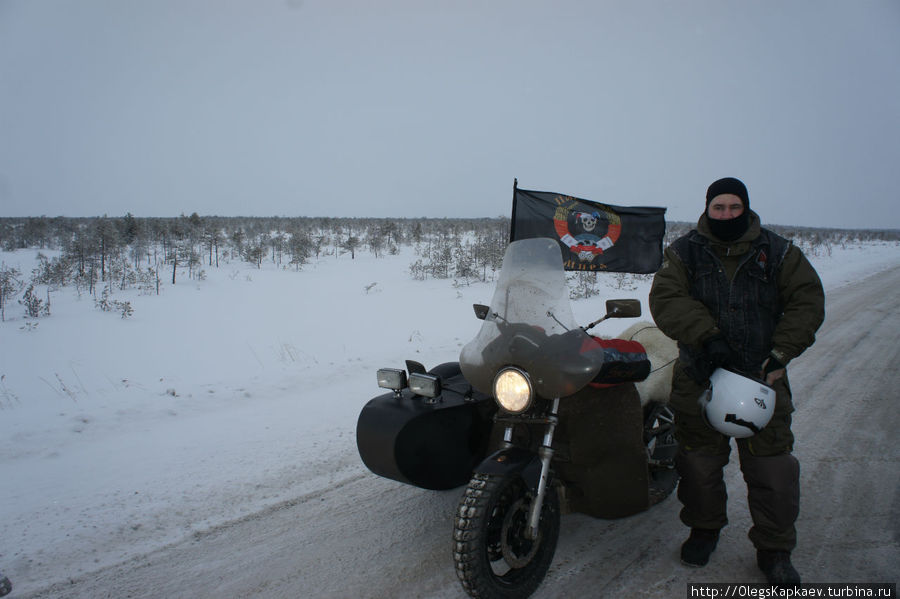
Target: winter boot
{"points": [[699, 546], [777, 567], [5, 586]]}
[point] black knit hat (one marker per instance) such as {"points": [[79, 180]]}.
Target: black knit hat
{"points": [[728, 185]]}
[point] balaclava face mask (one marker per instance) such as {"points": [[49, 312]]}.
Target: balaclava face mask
{"points": [[731, 229]]}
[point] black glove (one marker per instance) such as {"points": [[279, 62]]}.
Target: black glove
{"points": [[717, 352], [771, 365]]}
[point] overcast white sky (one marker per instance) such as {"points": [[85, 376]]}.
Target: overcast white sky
{"points": [[431, 108]]}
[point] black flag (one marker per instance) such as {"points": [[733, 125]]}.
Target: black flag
{"points": [[592, 236]]}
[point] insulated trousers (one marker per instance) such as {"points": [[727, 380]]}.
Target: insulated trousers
{"points": [[771, 472]]}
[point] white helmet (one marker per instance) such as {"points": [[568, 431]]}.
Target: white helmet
{"points": [[737, 405]]}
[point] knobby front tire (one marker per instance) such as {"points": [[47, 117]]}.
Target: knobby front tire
{"points": [[494, 560]]}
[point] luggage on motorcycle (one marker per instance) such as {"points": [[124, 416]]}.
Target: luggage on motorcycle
{"points": [[600, 454], [428, 443]]}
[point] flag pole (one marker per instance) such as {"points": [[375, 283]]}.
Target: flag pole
{"points": [[512, 221]]}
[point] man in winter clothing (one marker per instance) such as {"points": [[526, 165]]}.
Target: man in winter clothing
{"points": [[736, 295]]}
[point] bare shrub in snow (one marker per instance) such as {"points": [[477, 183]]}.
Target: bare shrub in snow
{"points": [[10, 284], [35, 307], [110, 305]]}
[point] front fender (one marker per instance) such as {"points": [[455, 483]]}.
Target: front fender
{"points": [[513, 461]]}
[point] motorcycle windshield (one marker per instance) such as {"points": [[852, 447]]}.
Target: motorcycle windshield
{"points": [[531, 326]]}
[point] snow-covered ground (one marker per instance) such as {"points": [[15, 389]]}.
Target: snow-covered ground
{"points": [[219, 398]]}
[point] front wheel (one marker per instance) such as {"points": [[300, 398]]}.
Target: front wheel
{"points": [[494, 558]]}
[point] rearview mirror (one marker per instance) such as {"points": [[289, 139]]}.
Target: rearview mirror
{"points": [[481, 311], [623, 308]]}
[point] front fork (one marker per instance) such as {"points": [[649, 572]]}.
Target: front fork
{"points": [[545, 454]]}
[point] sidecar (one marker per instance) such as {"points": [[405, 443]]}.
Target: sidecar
{"points": [[430, 431]]}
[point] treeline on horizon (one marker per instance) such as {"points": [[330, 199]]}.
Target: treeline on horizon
{"points": [[194, 240], [100, 255], [60, 231], [303, 237]]}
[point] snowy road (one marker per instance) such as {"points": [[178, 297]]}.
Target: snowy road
{"points": [[362, 536]]}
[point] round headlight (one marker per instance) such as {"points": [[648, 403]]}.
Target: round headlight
{"points": [[512, 390]]}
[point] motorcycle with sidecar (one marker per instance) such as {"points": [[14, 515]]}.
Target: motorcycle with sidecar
{"points": [[537, 419]]}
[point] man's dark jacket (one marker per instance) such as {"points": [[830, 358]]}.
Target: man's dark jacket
{"points": [[759, 291]]}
